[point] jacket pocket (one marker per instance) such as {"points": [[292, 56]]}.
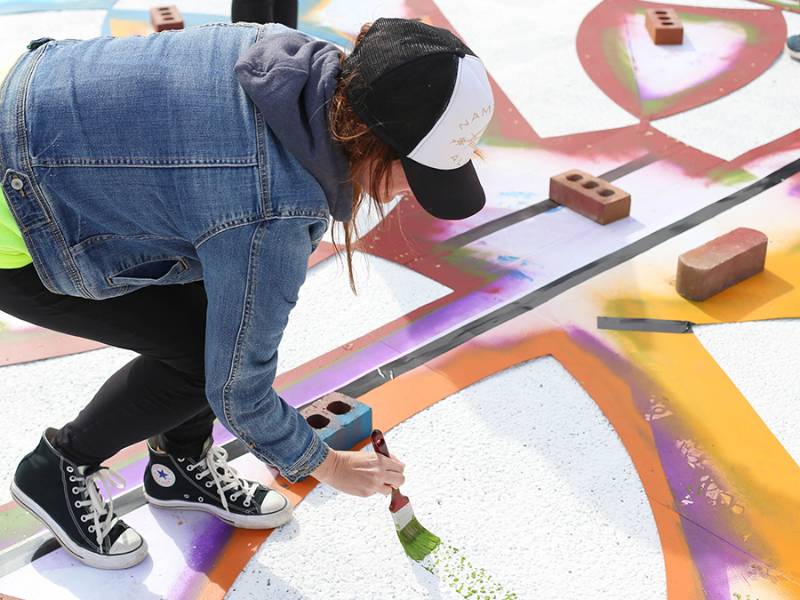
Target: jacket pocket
{"points": [[158, 271]]}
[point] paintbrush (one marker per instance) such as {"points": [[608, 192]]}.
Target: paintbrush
{"points": [[417, 541]]}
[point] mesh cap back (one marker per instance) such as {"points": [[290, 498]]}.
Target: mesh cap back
{"points": [[390, 43], [401, 77]]}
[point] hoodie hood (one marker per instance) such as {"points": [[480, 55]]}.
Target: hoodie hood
{"points": [[291, 79]]}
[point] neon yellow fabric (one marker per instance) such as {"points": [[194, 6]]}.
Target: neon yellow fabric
{"points": [[13, 253]]}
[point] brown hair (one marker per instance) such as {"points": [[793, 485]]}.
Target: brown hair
{"points": [[366, 154]]}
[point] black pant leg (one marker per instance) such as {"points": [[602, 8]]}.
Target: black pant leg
{"points": [[285, 12], [160, 392], [253, 11]]}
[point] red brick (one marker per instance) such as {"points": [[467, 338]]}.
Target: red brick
{"points": [[721, 263], [590, 196], [664, 26], [166, 17]]}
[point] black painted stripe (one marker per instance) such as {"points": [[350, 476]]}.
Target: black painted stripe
{"points": [[654, 325], [530, 301], [490, 227]]}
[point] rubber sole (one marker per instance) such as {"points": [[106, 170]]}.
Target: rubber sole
{"points": [[98, 561], [793, 53], [241, 521]]}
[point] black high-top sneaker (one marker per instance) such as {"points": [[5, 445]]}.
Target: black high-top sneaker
{"points": [[66, 498], [210, 484]]}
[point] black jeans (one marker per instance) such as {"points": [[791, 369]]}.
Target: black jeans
{"points": [[265, 11], [161, 392]]}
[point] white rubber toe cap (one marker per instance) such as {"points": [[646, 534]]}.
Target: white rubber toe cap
{"points": [[277, 505], [129, 541]]}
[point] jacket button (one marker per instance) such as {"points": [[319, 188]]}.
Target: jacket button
{"points": [[16, 184]]}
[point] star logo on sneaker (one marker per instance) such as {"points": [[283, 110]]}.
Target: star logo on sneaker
{"points": [[162, 475]]}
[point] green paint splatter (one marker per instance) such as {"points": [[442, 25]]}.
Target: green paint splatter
{"points": [[618, 58], [727, 176], [449, 565]]}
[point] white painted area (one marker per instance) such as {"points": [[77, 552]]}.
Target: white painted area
{"points": [[170, 539], [44, 394], [756, 114], [204, 7], [11, 323], [741, 4], [329, 315], [660, 196], [350, 15], [520, 471], [19, 29], [530, 51], [708, 49], [761, 359]]}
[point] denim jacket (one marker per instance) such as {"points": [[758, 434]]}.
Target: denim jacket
{"points": [[141, 161]]}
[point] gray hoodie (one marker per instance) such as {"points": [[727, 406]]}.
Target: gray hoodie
{"points": [[291, 79]]}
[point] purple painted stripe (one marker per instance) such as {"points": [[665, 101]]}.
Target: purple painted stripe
{"points": [[411, 337], [713, 558], [207, 546]]}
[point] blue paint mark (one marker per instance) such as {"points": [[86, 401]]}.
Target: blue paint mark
{"points": [[520, 275], [519, 194], [507, 259]]}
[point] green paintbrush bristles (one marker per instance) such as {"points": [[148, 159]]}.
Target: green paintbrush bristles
{"points": [[417, 541]]}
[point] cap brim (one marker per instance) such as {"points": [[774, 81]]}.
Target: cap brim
{"points": [[453, 194]]}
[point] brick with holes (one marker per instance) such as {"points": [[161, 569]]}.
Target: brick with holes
{"points": [[590, 196], [664, 26], [166, 17], [340, 421], [721, 263]]}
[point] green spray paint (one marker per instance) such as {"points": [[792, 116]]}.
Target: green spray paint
{"points": [[450, 565], [730, 177]]}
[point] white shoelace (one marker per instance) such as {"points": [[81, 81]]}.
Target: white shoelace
{"points": [[98, 507], [225, 476]]}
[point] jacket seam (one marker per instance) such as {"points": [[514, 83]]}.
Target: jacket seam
{"points": [[3, 93], [22, 148], [264, 173], [87, 243], [223, 227], [117, 163], [237, 346]]}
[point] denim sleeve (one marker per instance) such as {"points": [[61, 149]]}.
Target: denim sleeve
{"points": [[252, 276]]}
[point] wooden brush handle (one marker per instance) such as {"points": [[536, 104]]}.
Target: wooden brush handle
{"points": [[379, 444]]}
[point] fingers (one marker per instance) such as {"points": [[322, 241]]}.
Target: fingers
{"points": [[400, 462], [385, 490], [391, 464], [393, 478]]}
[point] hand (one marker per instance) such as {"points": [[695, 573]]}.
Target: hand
{"points": [[361, 473]]}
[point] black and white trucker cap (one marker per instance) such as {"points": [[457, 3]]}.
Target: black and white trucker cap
{"points": [[425, 94]]}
